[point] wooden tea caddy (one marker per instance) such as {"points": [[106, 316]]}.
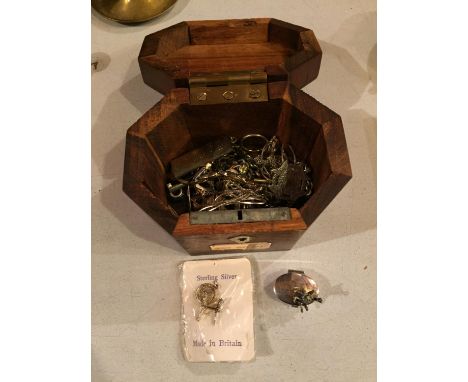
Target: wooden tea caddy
{"points": [[232, 78]]}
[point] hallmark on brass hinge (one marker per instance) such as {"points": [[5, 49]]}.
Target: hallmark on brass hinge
{"points": [[228, 87]]}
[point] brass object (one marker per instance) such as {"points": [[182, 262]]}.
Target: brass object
{"points": [[241, 246], [202, 96], [206, 296], [232, 87], [255, 93], [297, 289], [228, 95], [131, 11]]}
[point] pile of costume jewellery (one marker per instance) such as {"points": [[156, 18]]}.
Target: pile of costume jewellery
{"points": [[232, 173]]}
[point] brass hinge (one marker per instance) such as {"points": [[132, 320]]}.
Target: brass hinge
{"points": [[228, 87]]}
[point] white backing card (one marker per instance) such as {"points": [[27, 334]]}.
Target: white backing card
{"points": [[230, 337]]}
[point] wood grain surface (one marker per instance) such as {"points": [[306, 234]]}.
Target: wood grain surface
{"points": [[291, 56], [197, 238], [169, 57]]}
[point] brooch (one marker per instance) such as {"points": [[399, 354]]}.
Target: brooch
{"points": [[206, 296], [297, 289]]}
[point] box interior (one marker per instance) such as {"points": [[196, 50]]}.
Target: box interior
{"points": [[191, 126]]}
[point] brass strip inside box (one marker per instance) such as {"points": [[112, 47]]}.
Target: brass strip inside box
{"points": [[228, 87], [240, 216]]}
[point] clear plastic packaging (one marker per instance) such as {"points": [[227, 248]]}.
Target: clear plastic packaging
{"points": [[217, 310]]}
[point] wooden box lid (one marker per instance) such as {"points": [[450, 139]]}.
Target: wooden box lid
{"points": [[170, 57]]}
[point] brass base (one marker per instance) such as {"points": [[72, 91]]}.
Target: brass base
{"points": [[131, 11]]}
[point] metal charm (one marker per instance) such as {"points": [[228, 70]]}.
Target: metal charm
{"points": [[175, 191], [206, 295], [253, 143], [297, 289], [237, 174]]}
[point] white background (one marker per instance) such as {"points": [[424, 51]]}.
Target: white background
{"points": [[45, 159]]}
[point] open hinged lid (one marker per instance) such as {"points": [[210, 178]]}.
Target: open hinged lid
{"points": [[214, 75], [233, 51]]}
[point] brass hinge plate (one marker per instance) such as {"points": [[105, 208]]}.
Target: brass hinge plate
{"points": [[228, 87]]}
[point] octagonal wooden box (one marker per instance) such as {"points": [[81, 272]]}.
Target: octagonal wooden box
{"points": [[194, 64]]}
